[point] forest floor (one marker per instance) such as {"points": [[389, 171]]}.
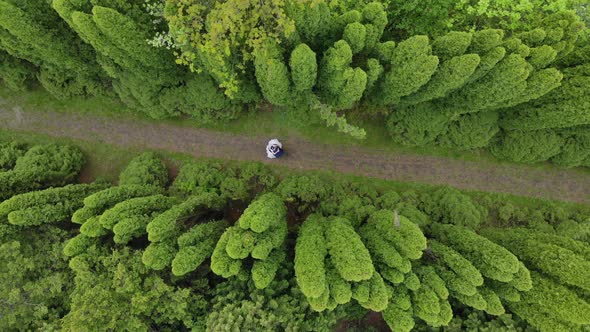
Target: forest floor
{"points": [[542, 182]]}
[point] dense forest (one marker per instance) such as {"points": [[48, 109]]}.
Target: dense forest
{"points": [[510, 77], [237, 247]]}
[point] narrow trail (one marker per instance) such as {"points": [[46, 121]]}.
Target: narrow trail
{"points": [[558, 184]]}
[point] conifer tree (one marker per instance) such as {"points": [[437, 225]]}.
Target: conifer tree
{"points": [[565, 260], [493, 261], [411, 66], [46, 206], [393, 246], [340, 84], [272, 74], [195, 246], [259, 234], [32, 31], [333, 266], [40, 167]]}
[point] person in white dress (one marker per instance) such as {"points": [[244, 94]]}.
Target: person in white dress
{"points": [[274, 149]]}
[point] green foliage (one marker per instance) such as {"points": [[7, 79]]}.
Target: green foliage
{"points": [[232, 183], [438, 17], [128, 219], [272, 74], [33, 32], [195, 246], [304, 68], [576, 150], [97, 203], [471, 131], [430, 299], [417, 125], [550, 306], [493, 261], [528, 146], [451, 75], [303, 190], [566, 106], [388, 266], [159, 255], [393, 242], [453, 44], [565, 260], [412, 66], [35, 282], [40, 167], [217, 38], [16, 74], [340, 84], [46, 206], [333, 266], [116, 291], [355, 35], [331, 119], [259, 233], [9, 154], [399, 315], [170, 223], [145, 170], [347, 252], [504, 82], [449, 206], [239, 305], [310, 254], [78, 245]]}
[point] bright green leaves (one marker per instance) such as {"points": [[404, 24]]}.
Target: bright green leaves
{"points": [[528, 146], [449, 206], [159, 255], [430, 299], [46, 206], [266, 212], [471, 131], [310, 254], [566, 106], [145, 170], [272, 74], [341, 85], [412, 66], [333, 266], [394, 242], [355, 34], [505, 81], [195, 246], [167, 225], [451, 75], [550, 306], [456, 269], [417, 125], [372, 294], [40, 167], [97, 203], [348, 254], [221, 40], [563, 259], [129, 219], [451, 45], [492, 260], [304, 68], [259, 234]]}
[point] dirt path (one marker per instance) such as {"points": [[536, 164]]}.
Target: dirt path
{"points": [[560, 184]]}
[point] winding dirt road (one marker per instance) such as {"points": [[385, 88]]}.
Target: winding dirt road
{"points": [[554, 183]]}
